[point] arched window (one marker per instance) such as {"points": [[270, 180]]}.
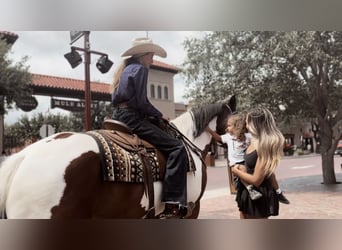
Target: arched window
{"points": [[166, 93], [159, 92], [153, 94]]}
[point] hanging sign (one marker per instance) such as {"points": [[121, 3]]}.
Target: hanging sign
{"points": [[72, 105], [27, 103], [75, 35]]}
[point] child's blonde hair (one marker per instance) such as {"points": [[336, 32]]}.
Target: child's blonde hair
{"points": [[239, 125]]}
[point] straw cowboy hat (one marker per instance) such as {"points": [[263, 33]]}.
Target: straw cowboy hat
{"points": [[144, 45]]}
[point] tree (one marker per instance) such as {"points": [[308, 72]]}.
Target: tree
{"points": [[14, 80], [98, 115], [217, 66], [299, 71], [28, 128]]}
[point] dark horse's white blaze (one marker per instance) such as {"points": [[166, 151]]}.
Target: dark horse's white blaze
{"points": [[60, 177]]}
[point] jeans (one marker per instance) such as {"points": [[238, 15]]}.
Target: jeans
{"points": [[174, 185]]}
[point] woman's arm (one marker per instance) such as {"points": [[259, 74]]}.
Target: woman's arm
{"points": [[255, 179]]}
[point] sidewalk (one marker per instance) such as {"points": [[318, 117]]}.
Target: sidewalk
{"points": [[309, 199]]}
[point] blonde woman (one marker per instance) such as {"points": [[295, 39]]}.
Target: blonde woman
{"points": [[261, 159], [237, 140]]}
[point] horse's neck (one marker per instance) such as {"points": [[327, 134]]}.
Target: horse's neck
{"points": [[186, 125]]}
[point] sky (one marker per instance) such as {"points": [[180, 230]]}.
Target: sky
{"points": [[45, 51]]}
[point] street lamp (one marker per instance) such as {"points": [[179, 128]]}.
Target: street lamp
{"points": [[73, 58], [103, 65]]}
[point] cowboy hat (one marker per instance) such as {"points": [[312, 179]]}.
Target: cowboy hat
{"points": [[144, 45]]}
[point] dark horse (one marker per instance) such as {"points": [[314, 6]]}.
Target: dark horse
{"points": [[61, 176]]}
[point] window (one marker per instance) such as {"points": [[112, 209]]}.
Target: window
{"points": [[159, 92], [166, 93], [153, 95]]}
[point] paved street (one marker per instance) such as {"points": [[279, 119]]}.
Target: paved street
{"points": [[300, 177]]}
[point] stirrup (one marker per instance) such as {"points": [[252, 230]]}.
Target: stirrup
{"points": [[171, 211]]}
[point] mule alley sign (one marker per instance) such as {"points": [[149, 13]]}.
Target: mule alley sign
{"points": [[71, 105]]}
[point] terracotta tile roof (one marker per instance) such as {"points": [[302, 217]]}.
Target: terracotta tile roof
{"points": [[78, 85], [165, 66], [68, 83]]}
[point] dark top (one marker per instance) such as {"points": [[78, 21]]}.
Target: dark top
{"points": [[268, 204], [132, 90], [250, 161]]}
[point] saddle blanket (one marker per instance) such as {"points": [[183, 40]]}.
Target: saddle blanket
{"points": [[121, 156]]}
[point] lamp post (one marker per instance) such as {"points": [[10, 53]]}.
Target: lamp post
{"points": [[87, 91], [103, 65]]}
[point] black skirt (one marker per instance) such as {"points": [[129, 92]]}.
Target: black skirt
{"points": [[267, 205]]}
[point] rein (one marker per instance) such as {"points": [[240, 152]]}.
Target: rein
{"points": [[191, 145]]}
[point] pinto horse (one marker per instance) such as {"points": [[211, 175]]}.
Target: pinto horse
{"points": [[60, 176]]}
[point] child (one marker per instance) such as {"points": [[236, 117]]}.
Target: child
{"points": [[237, 140]]}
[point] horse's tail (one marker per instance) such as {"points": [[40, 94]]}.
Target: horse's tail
{"points": [[8, 169]]}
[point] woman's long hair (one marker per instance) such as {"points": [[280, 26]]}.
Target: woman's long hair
{"points": [[120, 69], [117, 75], [269, 139]]}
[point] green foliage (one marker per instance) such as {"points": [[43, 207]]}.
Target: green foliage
{"points": [[270, 68], [98, 115], [28, 128], [14, 79]]}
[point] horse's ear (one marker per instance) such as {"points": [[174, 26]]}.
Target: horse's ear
{"points": [[232, 103]]}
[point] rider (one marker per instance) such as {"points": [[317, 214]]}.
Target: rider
{"points": [[132, 107]]}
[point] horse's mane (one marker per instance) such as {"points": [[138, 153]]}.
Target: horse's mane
{"points": [[203, 115]]}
